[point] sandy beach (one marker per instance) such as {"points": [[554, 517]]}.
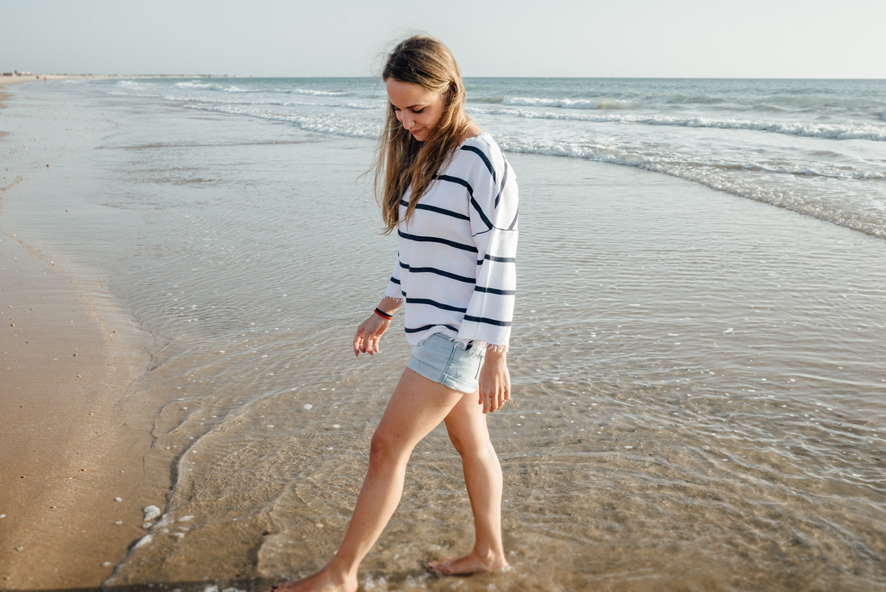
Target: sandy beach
{"points": [[698, 378], [68, 354]]}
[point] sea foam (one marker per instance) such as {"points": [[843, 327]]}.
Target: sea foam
{"points": [[571, 103], [871, 132], [320, 93]]}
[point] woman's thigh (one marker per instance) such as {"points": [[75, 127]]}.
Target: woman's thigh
{"points": [[417, 406], [466, 424]]}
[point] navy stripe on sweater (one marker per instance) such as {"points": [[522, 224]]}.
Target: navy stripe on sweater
{"points": [[494, 291], [434, 239], [497, 259], [426, 327], [443, 211], [436, 271], [435, 304], [487, 321]]}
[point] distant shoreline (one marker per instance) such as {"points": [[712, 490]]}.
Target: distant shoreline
{"points": [[6, 80]]}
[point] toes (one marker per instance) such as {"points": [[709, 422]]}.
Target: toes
{"points": [[435, 568], [443, 568]]}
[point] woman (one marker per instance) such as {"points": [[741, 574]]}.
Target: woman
{"points": [[446, 187]]}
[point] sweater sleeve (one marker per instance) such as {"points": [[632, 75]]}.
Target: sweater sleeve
{"points": [[393, 290], [493, 213]]}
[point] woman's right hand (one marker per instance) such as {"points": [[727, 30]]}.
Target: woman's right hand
{"points": [[368, 335]]}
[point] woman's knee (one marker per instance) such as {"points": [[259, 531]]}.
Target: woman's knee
{"points": [[470, 444], [385, 448]]}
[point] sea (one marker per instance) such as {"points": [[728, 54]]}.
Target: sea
{"points": [[697, 360], [768, 140]]}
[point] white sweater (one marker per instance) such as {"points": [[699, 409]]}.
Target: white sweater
{"points": [[455, 268]]}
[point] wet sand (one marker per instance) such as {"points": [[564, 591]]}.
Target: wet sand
{"points": [[67, 355]]}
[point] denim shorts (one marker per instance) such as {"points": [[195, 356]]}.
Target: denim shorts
{"points": [[446, 362]]}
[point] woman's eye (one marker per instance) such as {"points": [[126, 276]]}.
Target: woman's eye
{"points": [[417, 111]]}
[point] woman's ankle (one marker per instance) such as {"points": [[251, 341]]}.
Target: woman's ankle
{"points": [[339, 571]]}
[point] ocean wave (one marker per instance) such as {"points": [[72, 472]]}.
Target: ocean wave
{"points": [[360, 106], [325, 125], [681, 99], [800, 171], [491, 100], [728, 179], [809, 130], [228, 101], [133, 84], [193, 85], [215, 87], [614, 154], [320, 93], [871, 132], [571, 103], [817, 101], [769, 108]]}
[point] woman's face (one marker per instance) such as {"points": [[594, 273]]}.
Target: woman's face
{"points": [[417, 108]]}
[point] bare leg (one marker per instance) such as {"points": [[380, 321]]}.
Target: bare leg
{"points": [[466, 424], [417, 406]]}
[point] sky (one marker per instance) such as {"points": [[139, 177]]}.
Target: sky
{"points": [[586, 38]]}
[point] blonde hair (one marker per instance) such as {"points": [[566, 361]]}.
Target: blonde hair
{"points": [[400, 159]]}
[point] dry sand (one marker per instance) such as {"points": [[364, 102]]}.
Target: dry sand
{"points": [[67, 451]]}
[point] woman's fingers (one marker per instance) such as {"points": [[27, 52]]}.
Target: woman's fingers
{"points": [[358, 341], [372, 343], [491, 402], [495, 400]]}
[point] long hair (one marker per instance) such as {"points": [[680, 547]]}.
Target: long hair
{"points": [[400, 159]]}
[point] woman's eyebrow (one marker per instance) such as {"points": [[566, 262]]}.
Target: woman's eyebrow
{"points": [[409, 107]]}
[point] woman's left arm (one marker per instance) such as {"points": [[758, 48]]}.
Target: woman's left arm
{"points": [[495, 382], [493, 211]]}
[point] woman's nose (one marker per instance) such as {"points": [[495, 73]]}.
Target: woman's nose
{"points": [[406, 120]]}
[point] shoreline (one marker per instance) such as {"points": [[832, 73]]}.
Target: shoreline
{"points": [[69, 354], [10, 80]]}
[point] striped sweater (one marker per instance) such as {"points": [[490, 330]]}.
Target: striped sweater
{"points": [[455, 267]]}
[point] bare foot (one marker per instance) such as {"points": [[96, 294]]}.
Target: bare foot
{"points": [[322, 581], [467, 565]]}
